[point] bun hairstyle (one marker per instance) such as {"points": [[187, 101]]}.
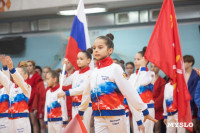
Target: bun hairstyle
{"points": [[88, 53], [109, 40], [143, 51]]}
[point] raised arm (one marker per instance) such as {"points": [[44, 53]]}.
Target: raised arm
{"points": [[18, 78], [5, 68]]}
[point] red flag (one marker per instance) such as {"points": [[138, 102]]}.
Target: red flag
{"points": [[75, 126], [164, 50]]}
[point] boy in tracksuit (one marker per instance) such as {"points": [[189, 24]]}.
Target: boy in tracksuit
{"points": [[19, 94], [170, 110], [55, 114]]}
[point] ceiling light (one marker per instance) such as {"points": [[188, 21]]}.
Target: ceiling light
{"points": [[87, 11]]}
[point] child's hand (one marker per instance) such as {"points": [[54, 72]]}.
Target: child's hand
{"points": [[165, 121], [65, 61], [46, 126], [64, 125], [61, 94], [149, 117], [3, 59], [141, 128], [9, 62]]}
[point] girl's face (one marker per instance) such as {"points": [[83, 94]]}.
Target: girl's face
{"points": [[50, 81], [38, 70], [101, 50], [82, 60], [30, 67], [137, 60], [69, 66], [44, 73], [154, 68], [129, 69]]}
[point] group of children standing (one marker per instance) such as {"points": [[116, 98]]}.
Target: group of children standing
{"points": [[105, 94]]}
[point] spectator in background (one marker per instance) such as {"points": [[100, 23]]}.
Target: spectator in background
{"points": [[130, 68], [115, 60], [39, 100], [38, 69], [95, 62], [158, 96], [33, 79], [69, 71], [122, 62], [197, 101], [191, 78], [58, 70], [22, 64]]}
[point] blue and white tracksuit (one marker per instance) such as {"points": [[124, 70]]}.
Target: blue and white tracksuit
{"points": [[105, 87], [19, 94], [170, 110], [142, 82], [76, 79], [55, 113]]}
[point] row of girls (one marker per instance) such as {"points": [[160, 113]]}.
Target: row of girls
{"points": [[104, 96], [107, 94], [27, 99]]}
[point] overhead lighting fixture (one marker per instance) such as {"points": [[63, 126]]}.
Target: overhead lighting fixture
{"points": [[87, 11]]}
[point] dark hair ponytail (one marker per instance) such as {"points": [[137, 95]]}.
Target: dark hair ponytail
{"points": [[88, 53], [109, 40], [143, 51]]}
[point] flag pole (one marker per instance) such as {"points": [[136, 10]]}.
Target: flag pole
{"points": [[61, 81], [62, 75]]}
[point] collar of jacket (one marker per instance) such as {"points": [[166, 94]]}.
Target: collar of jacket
{"points": [[83, 70], [104, 62]]}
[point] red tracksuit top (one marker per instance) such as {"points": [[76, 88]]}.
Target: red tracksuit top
{"points": [[33, 81]]}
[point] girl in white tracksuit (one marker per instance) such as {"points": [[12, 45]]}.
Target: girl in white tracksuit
{"points": [[106, 87], [4, 102], [19, 94], [142, 81], [170, 111], [55, 113], [76, 79]]}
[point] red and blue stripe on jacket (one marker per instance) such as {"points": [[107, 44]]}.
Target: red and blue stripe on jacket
{"points": [[106, 97], [54, 110], [4, 104]]}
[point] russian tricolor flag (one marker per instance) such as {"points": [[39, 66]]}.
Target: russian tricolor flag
{"points": [[79, 39]]}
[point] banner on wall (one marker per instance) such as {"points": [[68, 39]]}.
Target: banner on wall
{"points": [[18, 5], [5, 5]]}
